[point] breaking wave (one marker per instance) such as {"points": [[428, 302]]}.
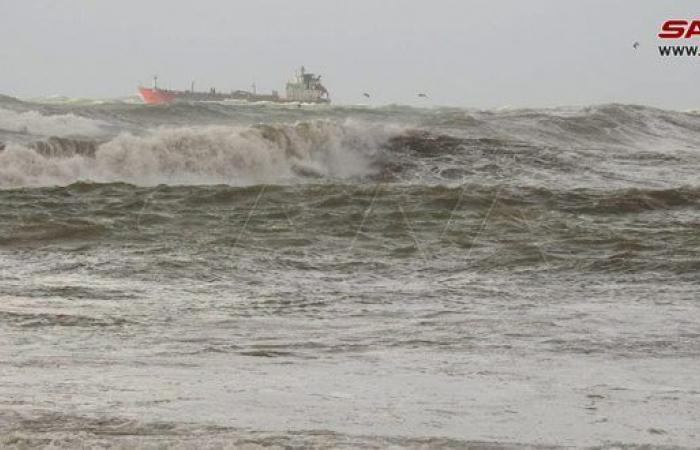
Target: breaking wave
{"points": [[235, 156], [35, 123], [211, 143]]}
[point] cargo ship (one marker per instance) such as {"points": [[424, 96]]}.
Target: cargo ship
{"points": [[303, 88]]}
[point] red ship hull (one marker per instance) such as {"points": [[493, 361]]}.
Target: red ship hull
{"points": [[155, 96], [306, 89]]}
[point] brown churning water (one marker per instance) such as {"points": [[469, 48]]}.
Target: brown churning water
{"points": [[223, 274]]}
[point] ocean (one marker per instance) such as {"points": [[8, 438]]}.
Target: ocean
{"points": [[224, 275]]}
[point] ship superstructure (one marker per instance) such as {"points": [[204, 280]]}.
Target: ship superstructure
{"points": [[307, 88], [304, 88]]}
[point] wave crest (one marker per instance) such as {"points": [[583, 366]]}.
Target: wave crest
{"points": [[236, 156], [35, 123]]}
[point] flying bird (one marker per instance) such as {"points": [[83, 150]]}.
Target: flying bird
{"points": [[366, 95], [422, 95], [635, 45]]}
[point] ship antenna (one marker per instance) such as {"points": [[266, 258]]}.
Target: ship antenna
{"points": [[155, 81]]}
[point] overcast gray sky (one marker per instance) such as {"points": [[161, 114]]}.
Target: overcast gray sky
{"points": [[485, 53]]}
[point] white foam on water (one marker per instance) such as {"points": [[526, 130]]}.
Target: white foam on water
{"points": [[236, 156], [33, 122]]}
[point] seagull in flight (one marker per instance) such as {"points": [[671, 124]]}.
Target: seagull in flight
{"points": [[422, 95], [635, 45], [366, 95]]}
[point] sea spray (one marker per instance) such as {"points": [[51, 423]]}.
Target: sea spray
{"points": [[36, 123], [235, 155]]}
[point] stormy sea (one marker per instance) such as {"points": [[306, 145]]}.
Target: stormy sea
{"points": [[226, 275]]}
